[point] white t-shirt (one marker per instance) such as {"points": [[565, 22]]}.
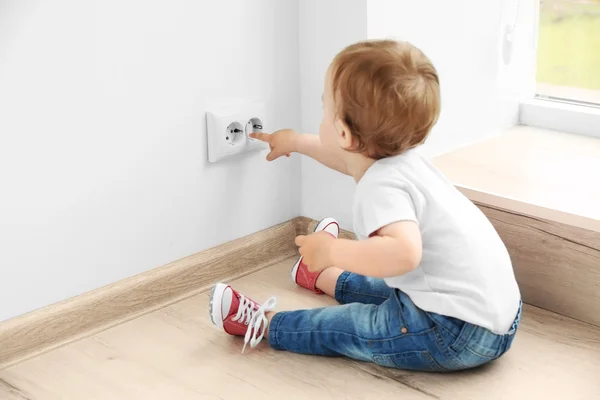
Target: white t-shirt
{"points": [[465, 271]]}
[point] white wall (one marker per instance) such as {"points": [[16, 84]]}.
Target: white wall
{"points": [[480, 95], [462, 39], [325, 28], [103, 170]]}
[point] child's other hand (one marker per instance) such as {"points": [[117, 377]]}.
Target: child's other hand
{"points": [[282, 142], [316, 250]]}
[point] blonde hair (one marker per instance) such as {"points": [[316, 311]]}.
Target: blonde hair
{"points": [[388, 94]]}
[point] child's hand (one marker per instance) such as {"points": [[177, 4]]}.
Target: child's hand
{"points": [[282, 142], [316, 250]]}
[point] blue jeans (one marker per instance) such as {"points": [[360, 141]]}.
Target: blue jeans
{"points": [[380, 324]]}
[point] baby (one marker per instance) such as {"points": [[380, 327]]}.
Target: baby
{"points": [[429, 285]]}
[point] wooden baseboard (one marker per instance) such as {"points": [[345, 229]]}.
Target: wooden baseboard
{"points": [[302, 225], [556, 265], [39, 331]]}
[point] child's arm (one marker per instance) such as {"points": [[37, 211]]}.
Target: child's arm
{"points": [[394, 250], [288, 141], [310, 145]]}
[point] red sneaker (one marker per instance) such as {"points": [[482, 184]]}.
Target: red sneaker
{"points": [[238, 315], [300, 273]]}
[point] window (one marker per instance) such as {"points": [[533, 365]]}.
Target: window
{"points": [[567, 68], [568, 55]]}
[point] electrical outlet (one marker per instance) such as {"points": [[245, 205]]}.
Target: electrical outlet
{"points": [[254, 125], [228, 129], [234, 134]]}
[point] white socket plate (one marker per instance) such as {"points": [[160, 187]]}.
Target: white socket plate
{"points": [[217, 121]]}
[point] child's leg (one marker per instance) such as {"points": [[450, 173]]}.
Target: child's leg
{"points": [[327, 280], [390, 334], [347, 287], [394, 333]]}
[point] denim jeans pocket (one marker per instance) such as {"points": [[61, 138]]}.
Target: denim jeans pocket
{"points": [[409, 360]]}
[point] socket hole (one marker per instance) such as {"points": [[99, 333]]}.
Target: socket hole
{"points": [[255, 125], [234, 134]]}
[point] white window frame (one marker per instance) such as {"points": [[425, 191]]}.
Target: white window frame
{"points": [[557, 114], [561, 116]]}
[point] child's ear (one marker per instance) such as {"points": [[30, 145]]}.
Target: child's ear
{"points": [[345, 138]]}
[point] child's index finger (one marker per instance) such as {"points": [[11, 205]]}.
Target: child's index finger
{"points": [[263, 137]]}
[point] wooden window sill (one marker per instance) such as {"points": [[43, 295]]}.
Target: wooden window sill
{"points": [[536, 172]]}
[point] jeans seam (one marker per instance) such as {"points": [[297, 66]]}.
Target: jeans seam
{"points": [[480, 355], [441, 326], [366, 294], [390, 357], [398, 292], [445, 349], [359, 337], [448, 331]]}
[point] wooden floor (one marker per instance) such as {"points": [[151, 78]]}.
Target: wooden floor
{"points": [[176, 353]]}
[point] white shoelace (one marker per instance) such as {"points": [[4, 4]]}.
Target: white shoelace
{"points": [[256, 320]]}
